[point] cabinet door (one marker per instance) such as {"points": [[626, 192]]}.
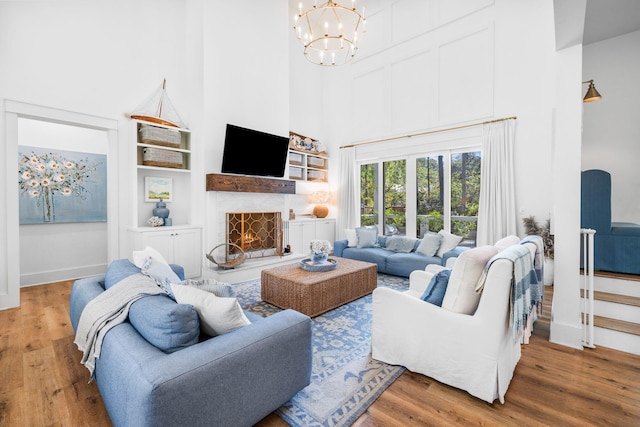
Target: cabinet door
{"points": [[187, 251], [160, 241], [308, 234], [326, 230], [300, 236]]}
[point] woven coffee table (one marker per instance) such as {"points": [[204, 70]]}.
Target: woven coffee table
{"points": [[314, 293]]}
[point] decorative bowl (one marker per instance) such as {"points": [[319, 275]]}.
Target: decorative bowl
{"points": [[308, 265]]}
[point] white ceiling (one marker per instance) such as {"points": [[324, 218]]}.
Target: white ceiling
{"points": [[610, 18]]}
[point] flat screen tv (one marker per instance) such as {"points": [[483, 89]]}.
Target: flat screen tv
{"points": [[251, 152]]}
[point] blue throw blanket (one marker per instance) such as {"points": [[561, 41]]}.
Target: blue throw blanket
{"points": [[525, 291], [538, 262]]}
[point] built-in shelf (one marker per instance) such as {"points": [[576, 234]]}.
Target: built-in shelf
{"points": [[307, 165]]}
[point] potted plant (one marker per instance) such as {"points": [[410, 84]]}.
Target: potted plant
{"points": [[532, 228]]}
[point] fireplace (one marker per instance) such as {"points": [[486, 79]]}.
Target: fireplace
{"points": [[258, 234]]}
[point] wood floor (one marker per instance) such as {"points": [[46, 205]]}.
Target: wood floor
{"points": [[43, 384]]}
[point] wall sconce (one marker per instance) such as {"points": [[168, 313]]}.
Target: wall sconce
{"points": [[592, 94], [320, 210]]}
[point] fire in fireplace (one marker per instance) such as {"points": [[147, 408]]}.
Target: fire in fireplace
{"points": [[258, 234]]}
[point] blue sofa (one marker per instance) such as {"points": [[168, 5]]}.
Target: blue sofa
{"points": [[394, 263], [233, 379], [616, 244]]}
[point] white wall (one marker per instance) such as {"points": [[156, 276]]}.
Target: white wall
{"points": [[246, 83], [97, 58], [611, 134]]}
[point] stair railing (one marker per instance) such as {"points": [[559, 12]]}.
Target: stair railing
{"points": [[587, 287]]}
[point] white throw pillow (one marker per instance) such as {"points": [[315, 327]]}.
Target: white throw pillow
{"points": [[352, 237], [159, 271], [461, 296], [449, 241], [139, 257], [217, 315]]}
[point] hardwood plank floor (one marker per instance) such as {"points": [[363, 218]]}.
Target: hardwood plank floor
{"points": [[42, 382]]}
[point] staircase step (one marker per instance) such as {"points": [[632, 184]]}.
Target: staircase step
{"points": [[615, 298], [619, 276], [616, 325]]}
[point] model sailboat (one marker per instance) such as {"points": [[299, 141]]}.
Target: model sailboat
{"points": [[159, 109]]}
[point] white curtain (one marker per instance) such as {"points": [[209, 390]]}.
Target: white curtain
{"points": [[497, 211], [347, 196]]}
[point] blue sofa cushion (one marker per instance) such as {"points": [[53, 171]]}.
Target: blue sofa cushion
{"points": [[402, 264], [166, 324], [375, 255], [401, 244], [118, 270], [434, 293], [160, 320]]}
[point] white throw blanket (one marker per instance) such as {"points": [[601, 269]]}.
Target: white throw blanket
{"points": [[107, 310]]}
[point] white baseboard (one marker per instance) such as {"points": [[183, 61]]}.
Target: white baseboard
{"points": [[43, 277], [567, 335]]}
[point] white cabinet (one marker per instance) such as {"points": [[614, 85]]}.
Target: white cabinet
{"points": [[179, 245], [326, 230], [302, 231]]}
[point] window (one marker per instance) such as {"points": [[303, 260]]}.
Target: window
{"points": [[465, 195], [445, 187], [430, 194], [369, 194], [395, 197]]}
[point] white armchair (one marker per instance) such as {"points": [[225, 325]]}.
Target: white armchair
{"points": [[475, 352]]}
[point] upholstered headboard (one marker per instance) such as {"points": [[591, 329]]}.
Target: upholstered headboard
{"points": [[595, 202]]}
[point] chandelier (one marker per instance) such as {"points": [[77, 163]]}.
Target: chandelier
{"points": [[329, 32]]}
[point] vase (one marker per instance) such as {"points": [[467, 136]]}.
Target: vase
{"points": [[161, 210], [319, 257], [548, 272]]}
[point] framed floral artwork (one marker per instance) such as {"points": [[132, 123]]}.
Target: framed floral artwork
{"points": [[158, 188], [61, 186]]}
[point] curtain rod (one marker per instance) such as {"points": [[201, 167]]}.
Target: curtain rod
{"points": [[391, 138]]}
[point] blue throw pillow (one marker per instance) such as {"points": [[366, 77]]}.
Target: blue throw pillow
{"points": [[437, 287], [367, 237], [166, 324]]}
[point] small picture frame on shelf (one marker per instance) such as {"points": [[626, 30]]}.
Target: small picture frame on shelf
{"points": [[156, 188]]}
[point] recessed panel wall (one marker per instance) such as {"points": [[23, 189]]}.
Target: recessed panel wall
{"points": [[413, 106], [370, 103], [422, 65], [449, 11], [466, 77], [411, 17]]}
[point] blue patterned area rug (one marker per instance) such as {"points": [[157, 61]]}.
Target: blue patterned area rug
{"points": [[344, 378]]}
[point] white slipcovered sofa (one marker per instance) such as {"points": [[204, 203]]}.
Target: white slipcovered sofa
{"points": [[470, 348]]}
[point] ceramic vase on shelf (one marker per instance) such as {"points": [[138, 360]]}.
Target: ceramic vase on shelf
{"points": [[161, 210], [319, 257]]}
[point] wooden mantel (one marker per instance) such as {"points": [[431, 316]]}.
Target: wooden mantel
{"points": [[249, 184]]}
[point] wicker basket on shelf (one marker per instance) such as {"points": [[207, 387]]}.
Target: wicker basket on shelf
{"points": [[162, 158]]}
